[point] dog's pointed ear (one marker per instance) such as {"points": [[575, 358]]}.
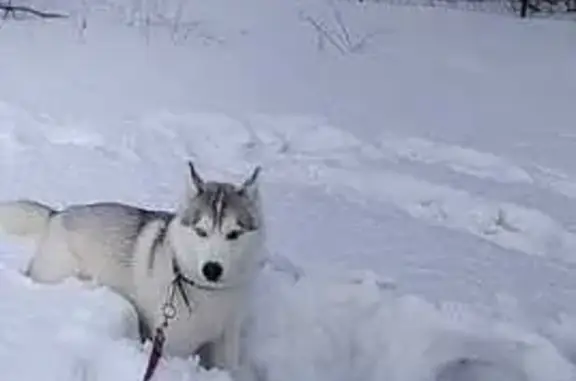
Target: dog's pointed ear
{"points": [[250, 186], [195, 180]]}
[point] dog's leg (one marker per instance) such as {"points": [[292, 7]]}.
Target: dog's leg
{"points": [[226, 350], [206, 355]]}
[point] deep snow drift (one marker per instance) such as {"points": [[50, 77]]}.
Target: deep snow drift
{"points": [[418, 180]]}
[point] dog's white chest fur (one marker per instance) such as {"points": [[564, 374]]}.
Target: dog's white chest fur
{"points": [[208, 315], [206, 321]]}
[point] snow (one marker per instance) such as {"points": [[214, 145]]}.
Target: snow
{"points": [[418, 180]]}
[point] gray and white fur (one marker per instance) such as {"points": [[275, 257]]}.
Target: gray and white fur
{"points": [[214, 238]]}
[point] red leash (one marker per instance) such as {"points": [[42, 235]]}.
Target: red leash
{"points": [[168, 313], [156, 354]]}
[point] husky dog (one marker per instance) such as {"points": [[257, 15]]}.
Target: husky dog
{"points": [[198, 260]]}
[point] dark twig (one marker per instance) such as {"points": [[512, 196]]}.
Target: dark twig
{"points": [[322, 32], [10, 9]]}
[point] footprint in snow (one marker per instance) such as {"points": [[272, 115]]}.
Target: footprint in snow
{"points": [[469, 369]]}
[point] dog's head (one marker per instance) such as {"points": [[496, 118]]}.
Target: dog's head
{"points": [[218, 230]]}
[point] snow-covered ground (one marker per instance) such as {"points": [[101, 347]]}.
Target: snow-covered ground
{"points": [[419, 180]]}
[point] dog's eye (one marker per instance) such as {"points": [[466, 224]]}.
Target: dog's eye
{"points": [[234, 234], [201, 232]]}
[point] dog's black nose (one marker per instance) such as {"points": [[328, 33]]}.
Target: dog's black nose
{"points": [[212, 271]]}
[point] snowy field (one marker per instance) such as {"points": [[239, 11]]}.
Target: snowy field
{"points": [[419, 180]]}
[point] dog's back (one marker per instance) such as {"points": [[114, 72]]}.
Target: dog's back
{"points": [[107, 228], [87, 240], [102, 239]]}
